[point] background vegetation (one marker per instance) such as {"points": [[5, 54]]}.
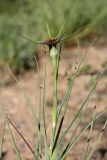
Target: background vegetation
{"points": [[30, 18]]}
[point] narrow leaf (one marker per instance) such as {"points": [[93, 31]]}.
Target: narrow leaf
{"points": [[39, 107], [1, 139], [11, 134], [89, 136], [27, 100], [44, 114], [64, 153], [97, 141]]}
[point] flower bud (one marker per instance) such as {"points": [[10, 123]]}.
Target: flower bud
{"points": [[53, 52]]}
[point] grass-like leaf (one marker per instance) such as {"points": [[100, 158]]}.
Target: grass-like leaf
{"points": [[89, 136], [11, 134], [39, 107], [97, 141], [70, 146], [23, 139], [81, 107], [44, 114], [1, 139], [75, 127], [57, 135], [72, 80], [37, 125], [67, 97]]}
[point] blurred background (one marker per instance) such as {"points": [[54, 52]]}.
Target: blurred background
{"points": [[30, 18]]}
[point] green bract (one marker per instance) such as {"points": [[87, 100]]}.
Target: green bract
{"points": [[53, 52]]}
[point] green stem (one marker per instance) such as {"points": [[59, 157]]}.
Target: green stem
{"points": [[54, 57], [54, 107]]}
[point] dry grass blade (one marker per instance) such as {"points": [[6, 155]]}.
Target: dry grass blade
{"points": [[24, 139]]}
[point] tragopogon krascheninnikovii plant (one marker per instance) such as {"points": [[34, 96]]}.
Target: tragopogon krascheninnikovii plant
{"points": [[58, 113]]}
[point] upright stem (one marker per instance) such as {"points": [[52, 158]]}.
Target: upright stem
{"points": [[54, 57], [54, 107]]}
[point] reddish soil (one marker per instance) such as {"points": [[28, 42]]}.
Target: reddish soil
{"points": [[17, 108]]}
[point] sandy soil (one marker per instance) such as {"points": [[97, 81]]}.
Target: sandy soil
{"points": [[17, 108]]}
